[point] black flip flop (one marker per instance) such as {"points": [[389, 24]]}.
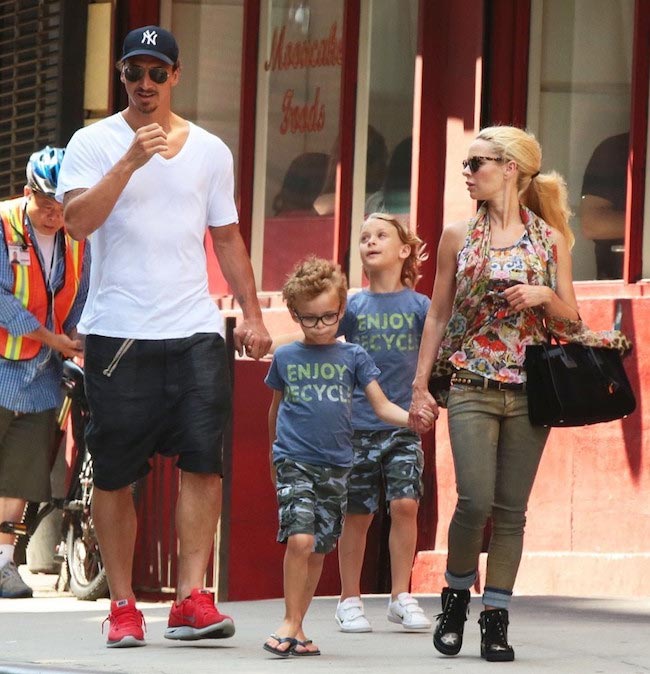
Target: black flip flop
{"points": [[304, 644], [281, 640]]}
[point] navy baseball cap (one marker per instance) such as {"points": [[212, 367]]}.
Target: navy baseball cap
{"points": [[151, 41]]}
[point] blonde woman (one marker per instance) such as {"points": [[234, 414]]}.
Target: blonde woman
{"points": [[502, 280]]}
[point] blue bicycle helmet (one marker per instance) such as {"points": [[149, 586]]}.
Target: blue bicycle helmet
{"points": [[43, 170]]}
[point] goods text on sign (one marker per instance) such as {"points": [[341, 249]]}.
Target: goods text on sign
{"points": [[307, 117]]}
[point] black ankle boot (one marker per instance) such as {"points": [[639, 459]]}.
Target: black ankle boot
{"points": [[448, 635], [494, 636]]}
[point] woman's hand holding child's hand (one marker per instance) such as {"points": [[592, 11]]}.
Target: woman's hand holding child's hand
{"points": [[422, 420]]}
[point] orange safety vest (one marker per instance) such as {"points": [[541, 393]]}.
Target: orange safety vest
{"points": [[30, 286]]}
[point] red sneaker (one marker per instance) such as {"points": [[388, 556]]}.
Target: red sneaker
{"points": [[198, 618], [126, 625]]}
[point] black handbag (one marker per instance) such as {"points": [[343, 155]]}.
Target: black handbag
{"points": [[574, 385]]}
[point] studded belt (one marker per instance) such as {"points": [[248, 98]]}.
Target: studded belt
{"points": [[485, 383]]}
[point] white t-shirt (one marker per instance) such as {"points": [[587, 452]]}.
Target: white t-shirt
{"points": [[48, 252], [148, 277]]}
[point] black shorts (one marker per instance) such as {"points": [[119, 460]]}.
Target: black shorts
{"points": [[168, 396]]}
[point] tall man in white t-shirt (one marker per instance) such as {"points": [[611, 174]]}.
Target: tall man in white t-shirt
{"points": [[146, 183]]}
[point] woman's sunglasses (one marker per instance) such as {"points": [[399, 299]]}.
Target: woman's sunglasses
{"points": [[476, 162], [136, 73]]}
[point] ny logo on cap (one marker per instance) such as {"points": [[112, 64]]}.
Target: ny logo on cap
{"points": [[150, 36]]}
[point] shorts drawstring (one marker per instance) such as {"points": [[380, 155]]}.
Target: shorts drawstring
{"points": [[124, 347]]}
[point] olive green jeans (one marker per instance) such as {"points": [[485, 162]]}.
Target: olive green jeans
{"points": [[496, 454]]}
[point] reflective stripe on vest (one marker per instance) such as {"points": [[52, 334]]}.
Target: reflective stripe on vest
{"points": [[29, 283]]}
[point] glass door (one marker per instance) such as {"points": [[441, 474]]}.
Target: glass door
{"points": [[579, 106], [297, 135]]}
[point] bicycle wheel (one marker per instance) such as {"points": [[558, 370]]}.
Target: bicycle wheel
{"points": [[86, 572]]}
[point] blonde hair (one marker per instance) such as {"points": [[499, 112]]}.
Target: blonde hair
{"points": [[411, 265], [310, 278], [544, 193]]}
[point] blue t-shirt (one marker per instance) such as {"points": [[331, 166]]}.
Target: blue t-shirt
{"points": [[314, 423], [389, 327]]}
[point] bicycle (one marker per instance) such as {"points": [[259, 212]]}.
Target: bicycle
{"points": [[78, 550]]}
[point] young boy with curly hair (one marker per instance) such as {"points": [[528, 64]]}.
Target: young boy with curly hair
{"points": [[310, 430]]}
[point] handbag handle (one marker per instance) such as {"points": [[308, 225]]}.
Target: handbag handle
{"points": [[612, 384], [564, 356]]}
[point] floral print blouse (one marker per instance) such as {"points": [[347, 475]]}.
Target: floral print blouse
{"points": [[482, 335], [494, 344]]}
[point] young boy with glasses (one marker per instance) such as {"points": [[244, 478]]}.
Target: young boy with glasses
{"points": [[310, 430]]}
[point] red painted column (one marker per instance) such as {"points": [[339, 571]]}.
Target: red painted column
{"points": [[143, 13], [427, 196], [248, 102], [430, 131], [505, 70], [635, 204], [343, 207]]}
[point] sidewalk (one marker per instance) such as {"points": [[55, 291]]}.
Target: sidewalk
{"points": [[53, 634]]}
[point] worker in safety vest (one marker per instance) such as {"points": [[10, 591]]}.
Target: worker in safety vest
{"points": [[43, 287]]}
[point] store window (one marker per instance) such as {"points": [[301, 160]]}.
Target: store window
{"points": [[393, 45], [297, 141], [210, 36], [209, 33], [383, 147], [579, 107]]}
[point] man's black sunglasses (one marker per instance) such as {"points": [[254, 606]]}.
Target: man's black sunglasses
{"points": [[476, 162], [135, 73]]}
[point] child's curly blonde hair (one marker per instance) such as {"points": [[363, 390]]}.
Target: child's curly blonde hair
{"points": [[310, 278], [411, 266]]}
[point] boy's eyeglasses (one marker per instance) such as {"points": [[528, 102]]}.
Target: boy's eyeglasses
{"points": [[476, 162], [135, 73], [329, 318]]}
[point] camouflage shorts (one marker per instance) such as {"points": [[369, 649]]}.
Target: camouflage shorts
{"points": [[393, 457], [311, 500]]}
